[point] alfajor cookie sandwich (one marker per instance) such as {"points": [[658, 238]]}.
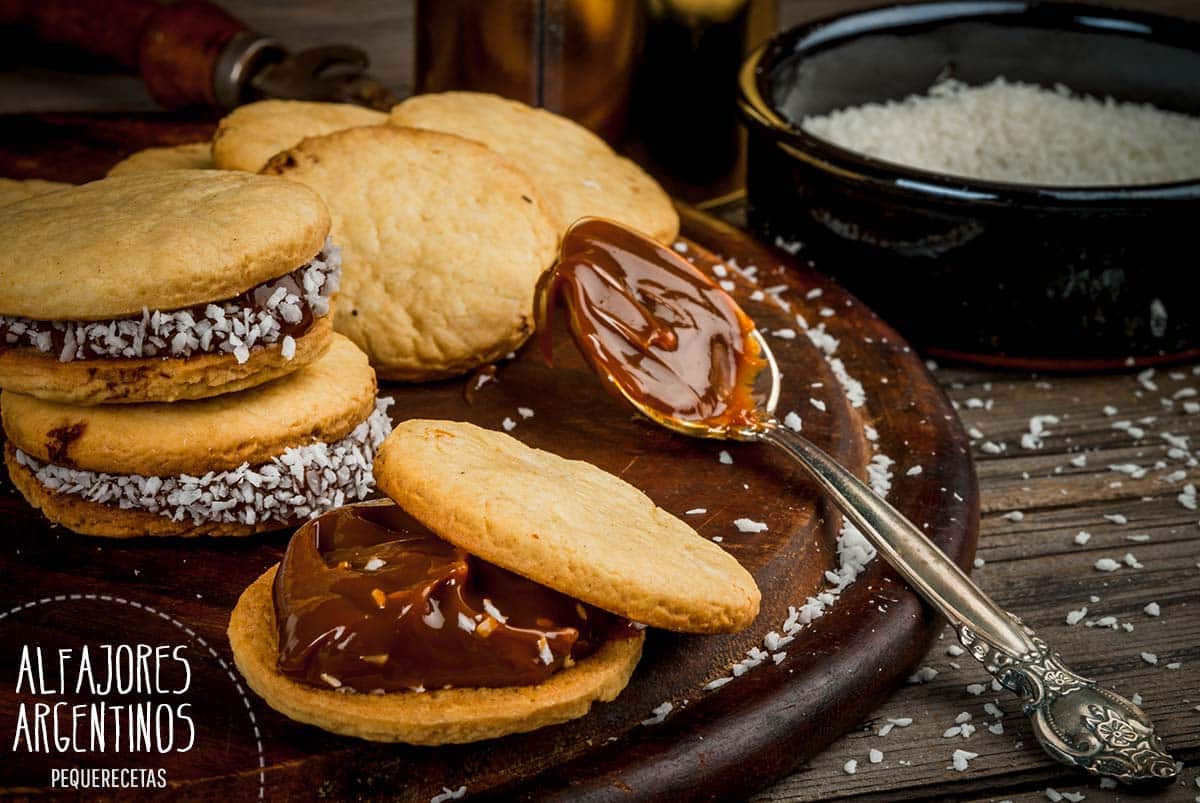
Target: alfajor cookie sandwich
{"points": [[161, 286], [262, 459], [488, 601]]}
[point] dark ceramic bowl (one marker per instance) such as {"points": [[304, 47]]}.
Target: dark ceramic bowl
{"points": [[1007, 274]]}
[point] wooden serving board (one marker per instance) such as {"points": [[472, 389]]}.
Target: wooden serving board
{"points": [[60, 590]]}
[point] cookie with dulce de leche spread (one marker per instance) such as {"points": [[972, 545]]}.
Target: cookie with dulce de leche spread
{"points": [[506, 591], [161, 286], [259, 460]]}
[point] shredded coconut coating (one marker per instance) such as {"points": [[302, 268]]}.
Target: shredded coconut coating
{"points": [[303, 482], [230, 327]]}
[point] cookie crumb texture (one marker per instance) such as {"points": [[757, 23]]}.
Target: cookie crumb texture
{"points": [[565, 524]]}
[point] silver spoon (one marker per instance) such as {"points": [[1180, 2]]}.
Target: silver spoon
{"points": [[1076, 721]]}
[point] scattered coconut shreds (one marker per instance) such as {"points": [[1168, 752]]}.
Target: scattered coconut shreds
{"points": [[448, 794], [961, 758], [1075, 617], [696, 511], [792, 422], [886, 728], [1187, 498], [660, 713], [1015, 515], [725, 458], [1116, 518], [923, 675], [976, 689], [1107, 565], [223, 327], [992, 448], [914, 471], [300, 483], [1037, 431], [875, 756], [1150, 658], [1152, 609], [749, 525], [525, 412], [850, 767], [1082, 537], [854, 551]]}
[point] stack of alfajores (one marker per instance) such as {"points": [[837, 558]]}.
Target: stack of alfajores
{"points": [[168, 362]]}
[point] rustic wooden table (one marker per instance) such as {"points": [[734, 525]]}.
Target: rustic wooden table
{"points": [[1108, 480], [1115, 466]]}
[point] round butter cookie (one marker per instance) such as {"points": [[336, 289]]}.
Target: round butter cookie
{"points": [[161, 286], [236, 464], [250, 135], [577, 173], [444, 241], [192, 156], [17, 189], [565, 524], [443, 716]]}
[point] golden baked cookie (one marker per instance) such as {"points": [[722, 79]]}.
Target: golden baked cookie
{"points": [[577, 173], [163, 240], [107, 470], [443, 242], [446, 716], [161, 286], [17, 189], [192, 156], [565, 524], [250, 135]]}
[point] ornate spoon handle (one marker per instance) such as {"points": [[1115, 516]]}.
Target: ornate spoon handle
{"points": [[1076, 721]]}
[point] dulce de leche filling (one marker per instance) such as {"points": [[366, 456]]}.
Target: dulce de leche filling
{"points": [[653, 325], [367, 599]]}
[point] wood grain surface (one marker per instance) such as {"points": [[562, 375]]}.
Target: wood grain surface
{"points": [[762, 723], [1035, 568]]}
